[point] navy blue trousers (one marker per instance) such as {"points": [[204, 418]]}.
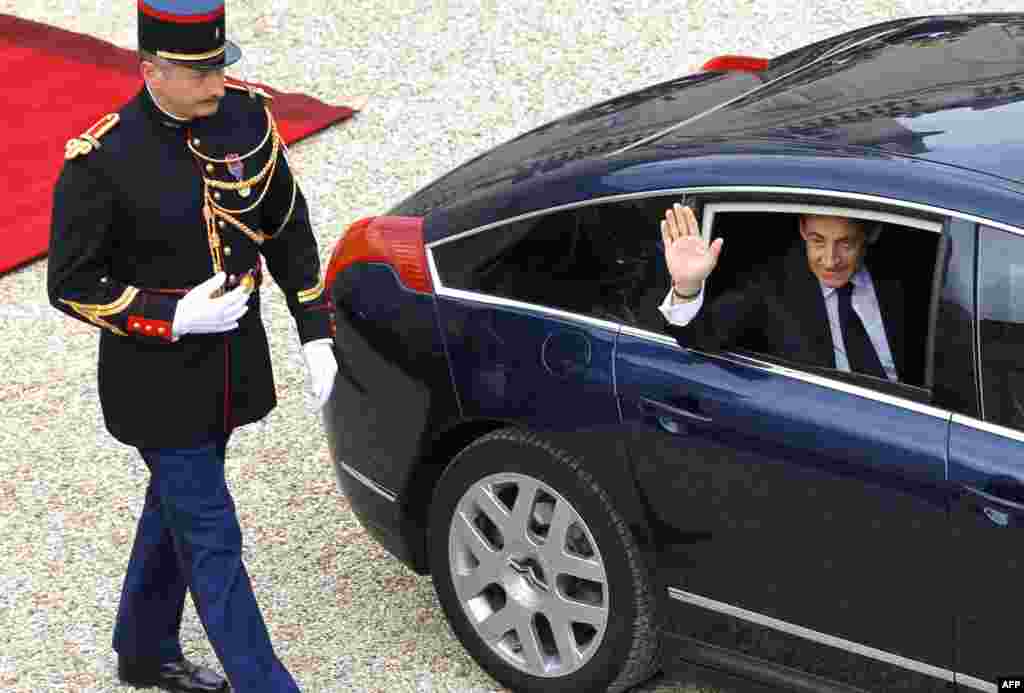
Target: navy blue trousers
{"points": [[189, 539]]}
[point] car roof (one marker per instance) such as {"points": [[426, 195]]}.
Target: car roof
{"points": [[949, 91], [946, 92]]}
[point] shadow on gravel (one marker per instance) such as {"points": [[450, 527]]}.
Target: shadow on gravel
{"points": [[681, 676]]}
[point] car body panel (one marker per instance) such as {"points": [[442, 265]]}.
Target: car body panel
{"points": [[512, 364], [789, 486], [392, 392], [987, 467]]}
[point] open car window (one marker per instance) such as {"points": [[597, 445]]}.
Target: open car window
{"points": [[907, 253]]}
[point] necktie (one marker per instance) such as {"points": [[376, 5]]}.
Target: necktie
{"points": [[859, 351]]}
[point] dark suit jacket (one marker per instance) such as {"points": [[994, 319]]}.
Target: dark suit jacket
{"points": [[783, 313]]}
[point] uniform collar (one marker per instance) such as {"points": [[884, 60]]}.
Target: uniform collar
{"points": [[161, 116], [158, 113]]}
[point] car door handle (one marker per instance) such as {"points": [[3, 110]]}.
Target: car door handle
{"points": [[991, 498], [663, 408]]}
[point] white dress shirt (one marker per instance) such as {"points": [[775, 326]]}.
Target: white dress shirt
{"points": [[864, 302]]}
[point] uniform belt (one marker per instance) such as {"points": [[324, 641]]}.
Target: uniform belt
{"points": [[257, 275]]}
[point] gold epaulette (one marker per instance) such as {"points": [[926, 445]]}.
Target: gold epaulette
{"points": [[90, 139], [245, 86]]}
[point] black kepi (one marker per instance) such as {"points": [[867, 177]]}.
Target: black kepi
{"points": [[187, 32]]}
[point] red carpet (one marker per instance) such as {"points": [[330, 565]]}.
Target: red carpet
{"points": [[58, 83]]}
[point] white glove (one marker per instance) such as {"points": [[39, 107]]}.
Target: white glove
{"points": [[198, 313], [322, 366]]}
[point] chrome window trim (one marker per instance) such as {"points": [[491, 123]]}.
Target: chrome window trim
{"points": [[797, 208], [980, 377], [976, 293], [988, 427], [532, 307], [369, 483], [775, 369], [830, 640], [665, 339], [709, 189], [976, 319]]}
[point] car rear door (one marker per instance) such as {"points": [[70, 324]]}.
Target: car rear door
{"points": [[522, 342]]}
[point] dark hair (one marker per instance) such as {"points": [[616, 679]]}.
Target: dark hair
{"points": [[147, 57], [869, 228]]}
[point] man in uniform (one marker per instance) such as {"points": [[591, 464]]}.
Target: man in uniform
{"points": [[161, 216]]}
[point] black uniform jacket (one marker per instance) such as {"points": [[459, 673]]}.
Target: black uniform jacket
{"points": [[783, 313], [129, 237]]}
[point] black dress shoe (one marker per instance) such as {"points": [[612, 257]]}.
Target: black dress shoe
{"points": [[180, 677]]}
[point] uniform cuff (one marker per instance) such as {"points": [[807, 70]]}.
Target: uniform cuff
{"points": [[153, 317]]}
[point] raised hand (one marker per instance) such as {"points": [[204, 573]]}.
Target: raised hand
{"points": [[689, 257]]}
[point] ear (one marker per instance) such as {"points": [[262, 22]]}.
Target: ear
{"points": [[150, 71], [801, 226]]}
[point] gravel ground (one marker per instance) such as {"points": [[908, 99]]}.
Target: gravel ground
{"points": [[446, 81]]}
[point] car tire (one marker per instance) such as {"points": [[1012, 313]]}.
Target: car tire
{"points": [[548, 596]]}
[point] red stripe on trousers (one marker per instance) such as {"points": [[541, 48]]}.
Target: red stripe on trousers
{"points": [[227, 386]]}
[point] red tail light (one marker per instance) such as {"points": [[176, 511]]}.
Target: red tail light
{"points": [[397, 241], [736, 63]]}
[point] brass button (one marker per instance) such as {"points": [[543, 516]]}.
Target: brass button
{"points": [[195, 142], [216, 194], [209, 168], [149, 328], [227, 250], [161, 330], [220, 223], [135, 325]]}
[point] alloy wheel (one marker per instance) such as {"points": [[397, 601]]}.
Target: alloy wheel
{"points": [[528, 574]]}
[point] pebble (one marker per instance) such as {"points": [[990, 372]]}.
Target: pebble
{"points": [[446, 81]]}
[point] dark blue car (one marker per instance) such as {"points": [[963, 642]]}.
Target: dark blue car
{"points": [[512, 416]]}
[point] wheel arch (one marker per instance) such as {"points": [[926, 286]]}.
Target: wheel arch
{"points": [[584, 455], [419, 490], [615, 474], [616, 478]]}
